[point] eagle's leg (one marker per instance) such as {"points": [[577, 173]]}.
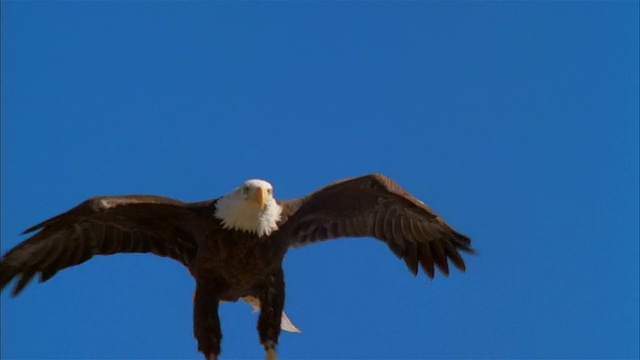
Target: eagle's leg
{"points": [[206, 323], [271, 305]]}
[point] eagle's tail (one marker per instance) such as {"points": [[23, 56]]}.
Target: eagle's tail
{"points": [[285, 322]]}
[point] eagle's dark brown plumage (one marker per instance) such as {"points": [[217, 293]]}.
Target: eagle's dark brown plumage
{"points": [[228, 263]]}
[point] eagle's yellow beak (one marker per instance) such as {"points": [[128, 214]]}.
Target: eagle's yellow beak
{"points": [[261, 197]]}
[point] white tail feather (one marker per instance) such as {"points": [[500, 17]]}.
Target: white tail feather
{"points": [[285, 322]]}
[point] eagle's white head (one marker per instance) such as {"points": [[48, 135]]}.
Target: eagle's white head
{"points": [[251, 207]]}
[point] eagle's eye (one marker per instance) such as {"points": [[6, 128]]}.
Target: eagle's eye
{"points": [[245, 190], [269, 191]]}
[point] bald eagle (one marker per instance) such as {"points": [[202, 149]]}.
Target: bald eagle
{"points": [[234, 245]]}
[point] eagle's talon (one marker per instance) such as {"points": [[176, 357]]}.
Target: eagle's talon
{"points": [[271, 354]]}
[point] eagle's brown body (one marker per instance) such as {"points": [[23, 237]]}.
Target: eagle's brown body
{"points": [[222, 250], [236, 270], [228, 268]]}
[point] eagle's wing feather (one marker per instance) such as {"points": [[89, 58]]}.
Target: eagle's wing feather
{"points": [[376, 206], [101, 226]]}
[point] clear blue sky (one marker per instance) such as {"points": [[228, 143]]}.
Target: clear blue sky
{"points": [[517, 122]]}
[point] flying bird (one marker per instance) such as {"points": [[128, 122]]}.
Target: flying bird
{"points": [[234, 245]]}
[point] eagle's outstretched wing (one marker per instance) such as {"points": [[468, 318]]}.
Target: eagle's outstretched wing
{"points": [[101, 226], [375, 206]]}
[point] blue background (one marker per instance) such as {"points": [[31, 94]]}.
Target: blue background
{"points": [[517, 122]]}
